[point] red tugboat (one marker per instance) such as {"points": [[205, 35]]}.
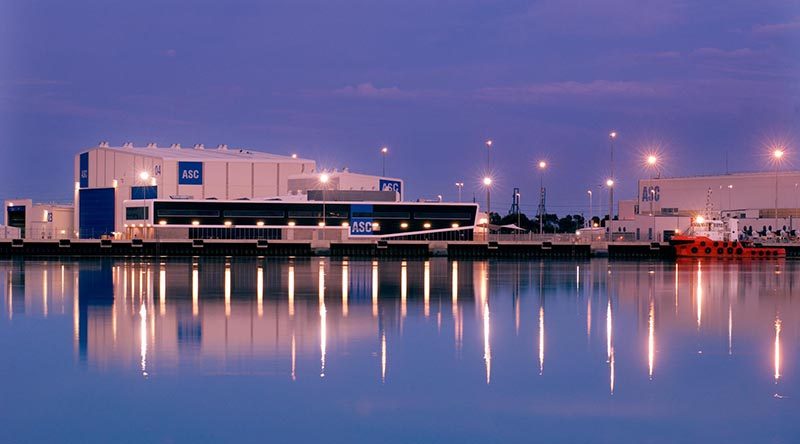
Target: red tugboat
{"points": [[718, 239]]}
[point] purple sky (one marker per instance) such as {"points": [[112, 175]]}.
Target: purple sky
{"points": [[335, 80]]}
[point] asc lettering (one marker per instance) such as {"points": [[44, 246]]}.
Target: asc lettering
{"points": [[361, 227], [651, 194], [190, 174]]}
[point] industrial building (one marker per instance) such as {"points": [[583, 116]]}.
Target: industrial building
{"points": [[31, 220], [665, 205]]}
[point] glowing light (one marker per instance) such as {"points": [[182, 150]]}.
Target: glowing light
{"points": [[227, 290], [541, 340], [487, 181], [651, 341], [404, 225], [777, 349], [144, 175], [700, 219], [542, 164], [143, 338], [426, 288], [260, 290], [162, 290], [195, 290], [323, 321], [345, 224], [162, 222], [403, 288], [487, 346], [612, 135], [375, 288], [609, 183], [699, 291], [260, 223], [291, 223], [489, 143], [385, 150], [345, 282], [383, 356], [324, 178], [294, 358], [426, 225], [454, 225], [652, 160], [778, 153], [291, 290], [321, 224], [195, 222], [294, 156]]}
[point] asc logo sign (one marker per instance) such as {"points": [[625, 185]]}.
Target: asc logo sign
{"points": [[651, 194], [190, 173], [360, 227], [391, 185]]}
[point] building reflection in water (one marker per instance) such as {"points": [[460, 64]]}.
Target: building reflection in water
{"points": [[165, 315]]}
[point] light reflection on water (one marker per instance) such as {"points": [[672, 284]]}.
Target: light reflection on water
{"points": [[686, 346]]}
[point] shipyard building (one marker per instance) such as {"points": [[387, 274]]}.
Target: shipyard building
{"points": [[128, 192], [763, 200]]}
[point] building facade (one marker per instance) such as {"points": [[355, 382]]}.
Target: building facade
{"points": [[106, 176]]}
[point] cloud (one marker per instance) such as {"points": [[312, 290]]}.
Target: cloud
{"points": [[593, 89], [370, 91], [722, 53], [777, 28], [170, 53]]}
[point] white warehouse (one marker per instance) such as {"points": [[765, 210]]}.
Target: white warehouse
{"points": [[105, 176]]}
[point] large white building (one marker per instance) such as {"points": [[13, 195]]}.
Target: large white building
{"points": [[106, 176], [669, 203]]}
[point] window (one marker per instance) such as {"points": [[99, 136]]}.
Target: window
{"points": [[305, 214], [150, 192], [254, 213], [177, 212], [442, 215], [136, 213]]}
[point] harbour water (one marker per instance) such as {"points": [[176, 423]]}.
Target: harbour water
{"points": [[324, 350]]}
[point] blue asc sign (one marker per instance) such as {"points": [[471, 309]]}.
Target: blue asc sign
{"points": [[390, 185], [84, 170], [651, 194], [361, 220], [190, 173]]}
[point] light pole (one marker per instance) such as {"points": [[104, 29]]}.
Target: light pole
{"points": [[323, 179], [541, 210], [518, 213], [460, 186], [144, 176], [652, 163], [384, 152], [778, 156], [487, 182], [488, 152], [610, 185], [612, 137], [588, 223]]}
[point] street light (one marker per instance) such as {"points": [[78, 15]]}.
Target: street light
{"points": [[610, 185], [144, 175], [323, 179], [384, 152], [589, 222], [542, 167], [777, 154], [460, 186], [487, 182], [652, 163]]}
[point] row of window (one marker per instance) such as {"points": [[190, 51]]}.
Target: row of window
{"points": [[134, 213]]}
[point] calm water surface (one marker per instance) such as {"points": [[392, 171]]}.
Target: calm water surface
{"points": [[311, 350]]}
